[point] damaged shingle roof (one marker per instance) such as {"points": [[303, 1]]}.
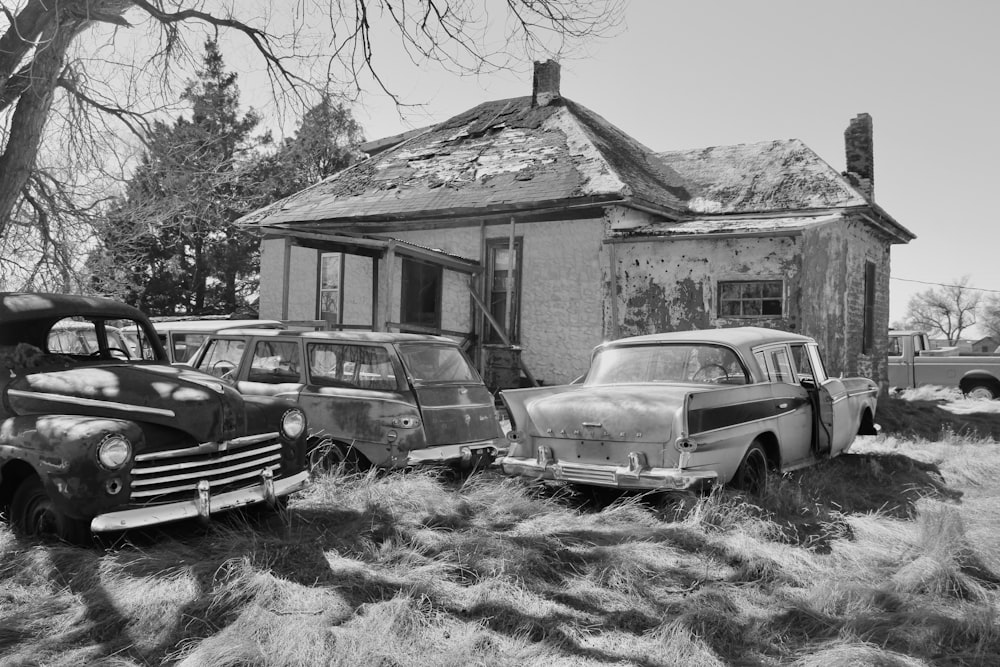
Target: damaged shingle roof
{"points": [[499, 155], [761, 177]]}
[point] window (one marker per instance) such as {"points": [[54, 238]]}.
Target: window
{"points": [[421, 294], [894, 349], [779, 367], [275, 361], [436, 363], [330, 279], [361, 366], [504, 269], [222, 357], [868, 340], [751, 298]]}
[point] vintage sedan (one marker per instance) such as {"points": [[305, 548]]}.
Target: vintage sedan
{"points": [[385, 399], [99, 436], [689, 410]]}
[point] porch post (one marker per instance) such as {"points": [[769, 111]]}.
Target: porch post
{"points": [[286, 279], [385, 288]]}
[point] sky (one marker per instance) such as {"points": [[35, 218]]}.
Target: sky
{"points": [[690, 74]]}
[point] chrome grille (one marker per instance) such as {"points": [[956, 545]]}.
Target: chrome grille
{"points": [[169, 476], [586, 474]]}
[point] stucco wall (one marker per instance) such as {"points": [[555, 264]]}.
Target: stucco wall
{"points": [[672, 284], [302, 295], [357, 290], [834, 295]]}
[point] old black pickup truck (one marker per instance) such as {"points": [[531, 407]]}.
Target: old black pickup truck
{"points": [[109, 436]]}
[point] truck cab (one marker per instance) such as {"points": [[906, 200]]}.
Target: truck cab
{"points": [[913, 363]]}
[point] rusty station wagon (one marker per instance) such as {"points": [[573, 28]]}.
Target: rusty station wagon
{"points": [[103, 437], [384, 399], [687, 410]]}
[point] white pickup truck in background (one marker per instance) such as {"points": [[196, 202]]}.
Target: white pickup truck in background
{"points": [[912, 363]]}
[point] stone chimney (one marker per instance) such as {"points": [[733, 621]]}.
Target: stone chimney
{"points": [[545, 86], [860, 155]]}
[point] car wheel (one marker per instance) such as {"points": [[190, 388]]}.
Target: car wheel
{"points": [[751, 476], [981, 392], [33, 513], [327, 456]]}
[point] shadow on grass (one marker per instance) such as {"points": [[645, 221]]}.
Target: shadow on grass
{"points": [[926, 420]]}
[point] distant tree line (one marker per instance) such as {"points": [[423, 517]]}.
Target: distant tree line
{"points": [[950, 310]]}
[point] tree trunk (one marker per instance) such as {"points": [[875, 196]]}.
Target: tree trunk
{"points": [[29, 117]]}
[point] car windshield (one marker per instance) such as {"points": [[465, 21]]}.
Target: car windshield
{"points": [[436, 363], [119, 339], [696, 363]]}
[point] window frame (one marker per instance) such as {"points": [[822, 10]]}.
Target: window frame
{"points": [[320, 289], [513, 333], [407, 265], [720, 300]]}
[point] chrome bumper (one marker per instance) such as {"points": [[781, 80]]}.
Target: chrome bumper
{"points": [[203, 505], [653, 479], [454, 453]]}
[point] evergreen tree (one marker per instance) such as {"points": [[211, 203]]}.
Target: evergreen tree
{"points": [[171, 246]]}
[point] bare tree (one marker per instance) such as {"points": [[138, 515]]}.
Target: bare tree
{"points": [[990, 315], [948, 309], [67, 61]]}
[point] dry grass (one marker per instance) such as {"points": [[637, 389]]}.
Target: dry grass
{"points": [[888, 555]]}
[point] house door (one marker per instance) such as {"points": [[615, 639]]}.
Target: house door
{"points": [[503, 282]]}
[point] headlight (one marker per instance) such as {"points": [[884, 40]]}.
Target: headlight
{"points": [[114, 451], [293, 424]]}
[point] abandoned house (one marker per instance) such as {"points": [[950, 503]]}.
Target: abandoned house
{"points": [[533, 229]]}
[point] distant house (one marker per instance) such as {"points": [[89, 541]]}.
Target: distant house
{"points": [[533, 229]]}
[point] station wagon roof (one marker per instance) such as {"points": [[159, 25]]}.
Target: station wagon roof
{"points": [[341, 336], [213, 325], [24, 306], [736, 336]]}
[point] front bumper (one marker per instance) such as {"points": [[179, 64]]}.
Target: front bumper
{"points": [[622, 477], [455, 453], [203, 505]]}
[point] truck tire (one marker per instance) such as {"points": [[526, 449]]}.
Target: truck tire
{"points": [[981, 391], [32, 513]]}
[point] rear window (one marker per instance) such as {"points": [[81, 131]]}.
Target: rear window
{"points": [[437, 363]]}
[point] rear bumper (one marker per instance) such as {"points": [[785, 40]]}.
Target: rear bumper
{"points": [[652, 479], [455, 453], [203, 505]]}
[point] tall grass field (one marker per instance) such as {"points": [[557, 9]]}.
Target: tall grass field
{"points": [[888, 555]]}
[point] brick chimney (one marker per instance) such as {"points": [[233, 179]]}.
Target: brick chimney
{"points": [[545, 86], [860, 155]]}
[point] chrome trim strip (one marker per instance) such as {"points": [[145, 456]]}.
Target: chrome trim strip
{"points": [[208, 447], [200, 463], [153, 493], [451, 452], [188, 509], [257, 464], [91, 402], [861, 393]]}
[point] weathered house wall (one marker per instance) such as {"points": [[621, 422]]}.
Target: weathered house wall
{"points": [[671, 284], [833, 296]]}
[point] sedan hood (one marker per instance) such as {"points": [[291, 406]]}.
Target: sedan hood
{"points": [[179, 398], [604, 412]]}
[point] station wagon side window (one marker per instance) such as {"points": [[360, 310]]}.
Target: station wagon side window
{"points": [[359, 366], [779, 365], [222, 357], [808, 363], [275, 361]]}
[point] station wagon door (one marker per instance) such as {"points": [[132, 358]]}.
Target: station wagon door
{"points": [[456, 406], [835, 426]]}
